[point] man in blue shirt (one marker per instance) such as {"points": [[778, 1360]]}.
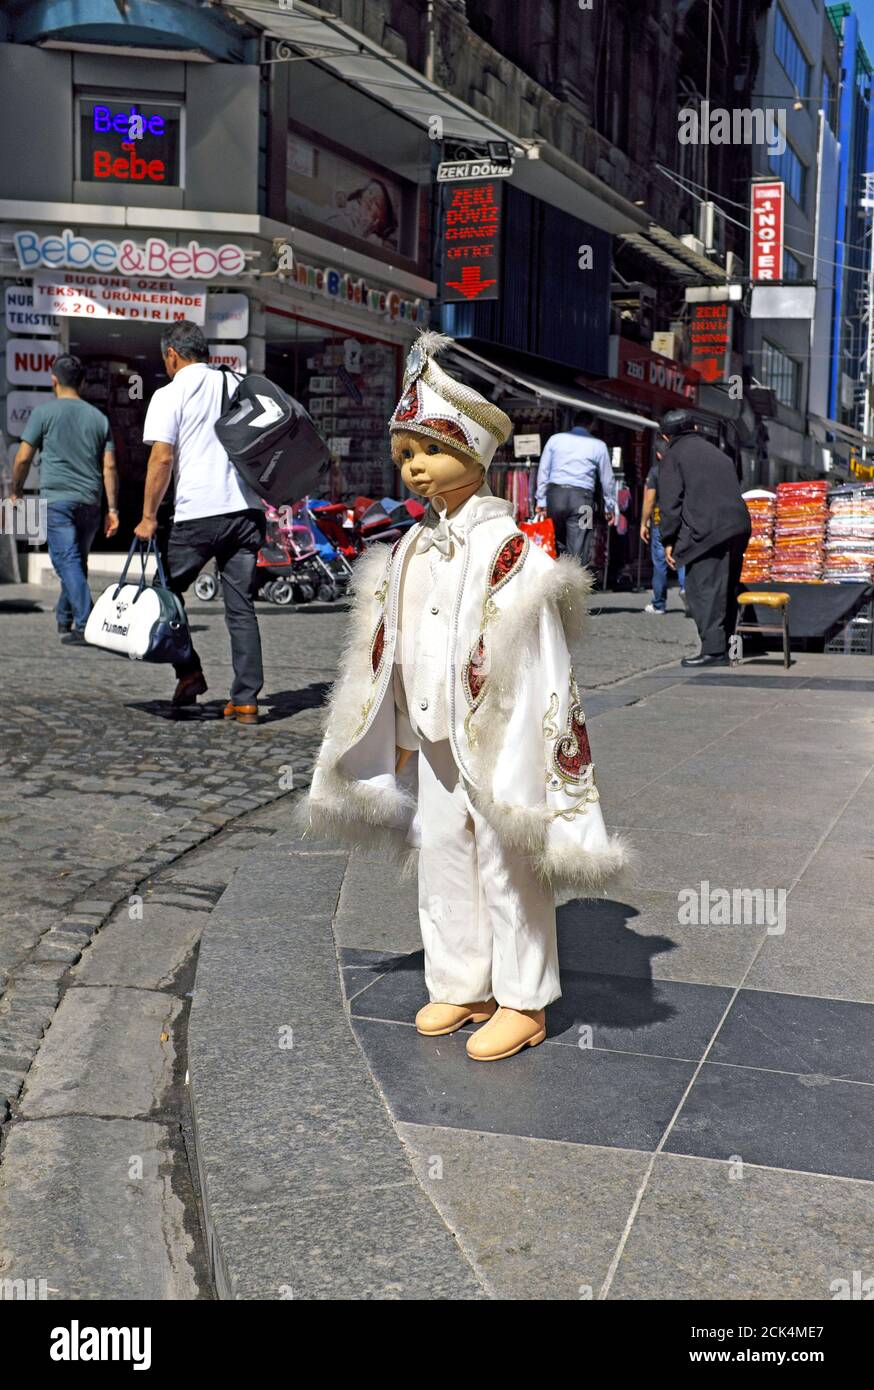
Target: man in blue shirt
{"points": [[77, 464], [570, 465]]}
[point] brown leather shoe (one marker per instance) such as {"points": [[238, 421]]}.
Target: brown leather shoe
{"points": [[436, 1020], [244, 714], [188, 689]]}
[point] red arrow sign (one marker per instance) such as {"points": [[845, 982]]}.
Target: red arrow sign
{"points": [[471, 283]]}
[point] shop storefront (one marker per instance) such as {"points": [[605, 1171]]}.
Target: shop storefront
{"points": [[334, 339], [155, 203], [336, 342]]}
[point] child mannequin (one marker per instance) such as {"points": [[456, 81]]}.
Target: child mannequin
{"points": [[458, 672]]}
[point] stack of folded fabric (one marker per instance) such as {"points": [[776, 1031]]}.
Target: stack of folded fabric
{"points": [[799, 533], [761, 506], [849, 548]]}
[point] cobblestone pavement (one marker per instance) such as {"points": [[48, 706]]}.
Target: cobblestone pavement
{"points": [[110, 807]]}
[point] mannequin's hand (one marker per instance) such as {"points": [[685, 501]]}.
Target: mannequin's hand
{"points": [[403, 757]]}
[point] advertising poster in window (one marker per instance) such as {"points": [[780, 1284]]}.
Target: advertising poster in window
{"points": [[324, 186]]}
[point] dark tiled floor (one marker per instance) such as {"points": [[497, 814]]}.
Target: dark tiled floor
{"points": [[788, 1081]]}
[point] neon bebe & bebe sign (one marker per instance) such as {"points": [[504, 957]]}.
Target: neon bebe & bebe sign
{"points": [[155, 257]]}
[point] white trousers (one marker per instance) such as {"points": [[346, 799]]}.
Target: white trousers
{"points": [[488, 923]]}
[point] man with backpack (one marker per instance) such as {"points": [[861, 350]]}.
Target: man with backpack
{"points": [[216, 515]]}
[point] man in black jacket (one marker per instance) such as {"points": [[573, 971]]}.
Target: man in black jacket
{"points": [[705, 526]]}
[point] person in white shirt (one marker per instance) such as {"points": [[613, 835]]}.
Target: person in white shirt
{"points": [[216, 515]]}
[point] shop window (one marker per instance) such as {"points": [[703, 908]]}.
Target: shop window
{"points": [[790, 54], [333, 192], [792, 267], [788, 167], [780, 374], [350, 383]]}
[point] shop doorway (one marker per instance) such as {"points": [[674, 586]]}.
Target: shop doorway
{"points": [[123, 369], [350, 383]]}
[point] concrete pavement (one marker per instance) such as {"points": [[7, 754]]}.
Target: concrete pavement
{"points": [[695, 1126], [342, 1155]]}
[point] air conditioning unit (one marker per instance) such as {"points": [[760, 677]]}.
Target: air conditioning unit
{"points": [[693, 243], [666, 344]]}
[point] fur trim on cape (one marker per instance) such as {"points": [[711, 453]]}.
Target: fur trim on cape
{"points": [[349, 813]]}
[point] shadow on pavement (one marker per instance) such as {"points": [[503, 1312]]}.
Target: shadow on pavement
{"points": [[280, 705]]}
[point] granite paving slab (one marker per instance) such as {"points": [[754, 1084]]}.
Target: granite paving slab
{"points": [[709, 1230], [808, 1122], [109, 1051], [614, 937], [806, 1036], [72, 1190], [827, 950], [564, 1093], [619, 1013], [300, 1164], [539, 1221]]}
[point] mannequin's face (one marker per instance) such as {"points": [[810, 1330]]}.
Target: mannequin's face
{"points": [[431, 468]]}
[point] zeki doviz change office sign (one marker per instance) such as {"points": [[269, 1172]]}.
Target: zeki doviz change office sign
{"points": [[129, 142], [470, 218]]}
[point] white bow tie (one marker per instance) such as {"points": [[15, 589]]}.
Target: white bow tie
{"points": [[439, 532]]}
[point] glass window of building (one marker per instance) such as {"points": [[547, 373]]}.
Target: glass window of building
{"points": [[793, 269], [793, 171], [780, 374], [789, 52], [349, 382], [827, 92]]}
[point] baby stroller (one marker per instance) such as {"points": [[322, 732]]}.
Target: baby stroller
{"points": [[385, 520], [333, 529], [289, 566]]}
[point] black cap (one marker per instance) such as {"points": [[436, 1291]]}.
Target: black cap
{"points": [[677, 422]]}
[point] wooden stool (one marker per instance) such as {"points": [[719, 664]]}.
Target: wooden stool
{"points": [[764, 600]]}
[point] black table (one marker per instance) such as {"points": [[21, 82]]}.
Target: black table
{"points": [[815, 610]]}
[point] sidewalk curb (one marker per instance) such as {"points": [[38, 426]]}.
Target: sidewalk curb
{"points": [[307, 1189]]}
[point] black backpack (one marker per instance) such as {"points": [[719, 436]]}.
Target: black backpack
{"points": [[270, 439]]}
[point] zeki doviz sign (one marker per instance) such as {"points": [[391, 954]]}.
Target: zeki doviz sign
{"points": [[470, 228], [457, 170]]}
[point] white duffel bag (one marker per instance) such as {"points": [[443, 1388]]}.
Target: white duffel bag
{"points": [[145, 622]]}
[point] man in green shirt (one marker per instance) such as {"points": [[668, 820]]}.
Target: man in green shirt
{"points": [[77, 461]]}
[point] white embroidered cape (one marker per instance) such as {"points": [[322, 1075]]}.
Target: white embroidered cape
{"points": [[517, 729]]}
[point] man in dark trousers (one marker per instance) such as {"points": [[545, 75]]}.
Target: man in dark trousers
{"points": [[705, 526], [216, 516]]}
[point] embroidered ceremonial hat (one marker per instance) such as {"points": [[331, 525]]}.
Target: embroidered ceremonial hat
{"points": [[435, 404]]}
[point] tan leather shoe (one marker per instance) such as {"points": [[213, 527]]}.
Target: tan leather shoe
{"points": [[507, 1032], [436, 1019], [244, 714]]}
